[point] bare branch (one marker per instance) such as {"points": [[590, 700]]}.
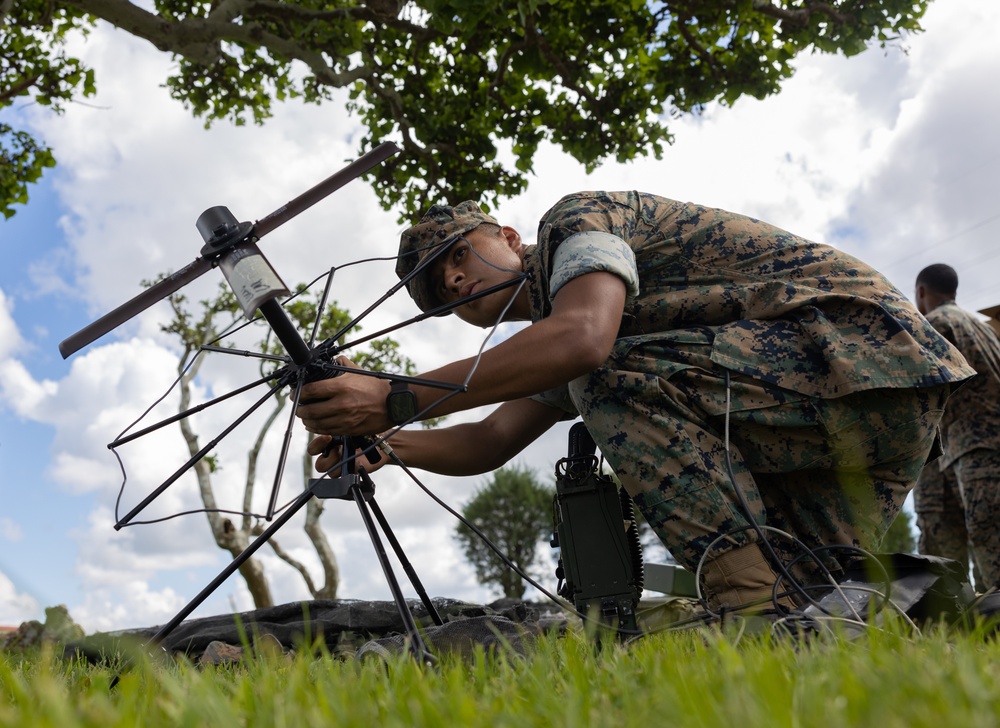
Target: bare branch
{"points": [[294, 563], [316, 534], [253, 456], [202, 470]]}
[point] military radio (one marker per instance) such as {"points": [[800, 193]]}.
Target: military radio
{"points": [[600, 567]]}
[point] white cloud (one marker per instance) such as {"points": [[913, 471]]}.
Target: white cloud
{"points": [[132, 605], [10, 337], [119, 568], [15, 606], [929, 194], [21, 392]]}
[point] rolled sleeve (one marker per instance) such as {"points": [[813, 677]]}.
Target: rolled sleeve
{"points": [[591, 251], [559, 399]]}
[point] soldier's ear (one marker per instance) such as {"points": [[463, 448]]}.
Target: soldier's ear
{"points": [[512, 236]]}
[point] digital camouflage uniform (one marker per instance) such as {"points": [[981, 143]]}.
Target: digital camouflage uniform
{"points": [[958, 497], [837, 382], [940, 514]]}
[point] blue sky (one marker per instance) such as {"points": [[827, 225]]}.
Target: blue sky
{"points": [[890, 156], [24, 476]]}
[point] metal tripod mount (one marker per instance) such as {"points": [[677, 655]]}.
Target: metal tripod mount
{"points": [[231, 245], [352, 483]]}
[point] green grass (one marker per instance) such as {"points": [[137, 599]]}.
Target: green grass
{"points": [[882, 679]]}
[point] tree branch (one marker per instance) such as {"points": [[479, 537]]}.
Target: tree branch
{"points": [[801, 15], [202, 471], [698, 48], [253, 456], [227, 10], [504, 61], [568, 74], [316, 534], [294, 563], [18, 88], [199, 40]]}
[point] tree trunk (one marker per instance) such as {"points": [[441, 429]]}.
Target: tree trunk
{"points": [[328, 559], [251, 570], [226, 535]]}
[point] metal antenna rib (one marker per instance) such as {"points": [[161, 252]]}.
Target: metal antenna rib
{"points": [[157, 292]]}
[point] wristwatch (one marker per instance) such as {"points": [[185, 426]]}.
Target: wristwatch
{"points": [[401, 403]]}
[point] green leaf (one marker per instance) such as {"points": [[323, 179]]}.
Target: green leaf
{"points": [[456, 81]]}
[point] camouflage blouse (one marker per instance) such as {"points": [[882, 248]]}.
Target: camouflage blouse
{"points": [[800, 315], [972, 415]]}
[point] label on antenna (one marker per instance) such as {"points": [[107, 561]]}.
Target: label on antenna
{"points": [[251, 277]]}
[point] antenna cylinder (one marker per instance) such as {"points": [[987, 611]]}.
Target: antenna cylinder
{"points": [[251, 277]]}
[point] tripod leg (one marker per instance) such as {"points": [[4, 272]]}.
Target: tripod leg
{"points": [[405, 562], [417, 646], [231, 568]]}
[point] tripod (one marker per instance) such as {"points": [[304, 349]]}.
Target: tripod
{"points": [[352, 483], [232, 247]]}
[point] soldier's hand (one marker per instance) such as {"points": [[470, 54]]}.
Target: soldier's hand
{"points": [[349, 404], [328, 455]]}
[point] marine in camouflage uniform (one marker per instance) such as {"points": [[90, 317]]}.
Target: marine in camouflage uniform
{"points": [[836, 383], [957, 499], [823, 380]]}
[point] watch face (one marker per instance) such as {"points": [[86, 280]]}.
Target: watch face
{"points": [[402, 406]]}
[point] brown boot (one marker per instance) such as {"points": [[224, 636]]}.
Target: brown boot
{"points": [[741, 576]]}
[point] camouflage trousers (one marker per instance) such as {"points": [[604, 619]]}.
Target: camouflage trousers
{"points": [[828, 472], [940, 514], [958, 510]]}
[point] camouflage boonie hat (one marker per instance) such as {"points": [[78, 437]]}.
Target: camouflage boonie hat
{"points": [[438, 228]]}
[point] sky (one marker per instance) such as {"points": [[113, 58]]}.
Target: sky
{"points": [[891, 155]]}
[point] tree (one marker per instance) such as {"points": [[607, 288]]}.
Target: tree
{"points": [[454, 82], [195, 330], [514, 511]]}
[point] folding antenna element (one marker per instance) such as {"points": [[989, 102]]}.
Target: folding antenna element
{"points": [[222, 241]]}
